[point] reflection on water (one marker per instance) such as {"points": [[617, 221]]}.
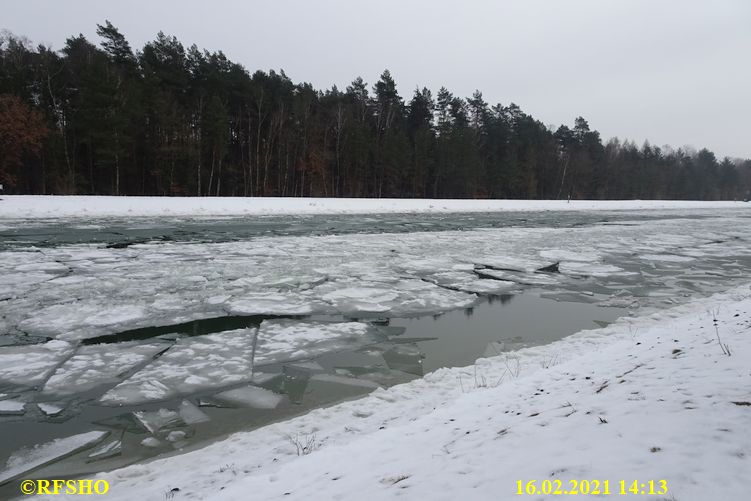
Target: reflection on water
{"points": [[510, 322]]}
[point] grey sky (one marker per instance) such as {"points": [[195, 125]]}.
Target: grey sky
{"points": [[672, 71]]}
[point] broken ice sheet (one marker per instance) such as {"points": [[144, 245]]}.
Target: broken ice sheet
{"points": [[406, 358], [345, 380], [380, 375], [30, 458], [176, 436], [105, 451], [495, 348], [517, 264], [122, 422], [361, 299], [397, 297], [83, 318], [151, 442], [12, 408], [519, 278], [191, 414], [467, 281], [225, 358], [154, 421], [51, 410], [250, 396], [192, 364], [580, 255], [30, 365], [273, 303], [668, 258], [280, 340], [592, 269], [295, 382], [97, 365]]}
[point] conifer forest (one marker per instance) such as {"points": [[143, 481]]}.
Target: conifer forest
{"points": [[98, 117]]}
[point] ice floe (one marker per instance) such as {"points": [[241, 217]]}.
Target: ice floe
{"points": [[155, 421], [28, 459], [226, 358], [106, 451], [250, 396], [12, 408], [30, 365], [97, 365]]}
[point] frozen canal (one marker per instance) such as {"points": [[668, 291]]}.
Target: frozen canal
{"points": [[167, 334]]}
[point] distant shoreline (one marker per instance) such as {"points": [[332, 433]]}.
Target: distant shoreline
{"points": [[56, 206]]}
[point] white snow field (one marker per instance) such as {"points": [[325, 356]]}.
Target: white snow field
{"points": [[40, 206], [648, 398]]}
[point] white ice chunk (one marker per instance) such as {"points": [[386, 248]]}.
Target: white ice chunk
{"points": [[352, 299], [349, 381], [50, 409], [30, 365], [194, 363], [280, 340], [192, 414], [668, 258], [311, 365], [521, 278], [592, 269], [469, 282], [82, 318], [251, 396], [517, 263], [151, 442], [30, 458], [97, 365], [12, 408], [398, 297], [175, 436], [154, 421], [108, 450], [269, 303], [578, 255]]}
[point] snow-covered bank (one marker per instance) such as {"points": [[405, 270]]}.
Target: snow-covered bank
{"points": [[37, 206], [652, 398]]}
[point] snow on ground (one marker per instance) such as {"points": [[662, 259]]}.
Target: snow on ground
{"points": [[650, 398], [37, 206]]}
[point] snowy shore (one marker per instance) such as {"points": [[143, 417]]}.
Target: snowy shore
{"points": [[649, 398], [38, 206]]}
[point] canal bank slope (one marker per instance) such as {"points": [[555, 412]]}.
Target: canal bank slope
{"points": [[656, 398]]}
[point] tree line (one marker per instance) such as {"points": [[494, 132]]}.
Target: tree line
{"points": [[171, 120]]}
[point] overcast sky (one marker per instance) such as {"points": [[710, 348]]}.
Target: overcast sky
{"points": [[675, 72]]}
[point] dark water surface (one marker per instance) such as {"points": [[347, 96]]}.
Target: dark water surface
{"points": [[121, 232]]}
